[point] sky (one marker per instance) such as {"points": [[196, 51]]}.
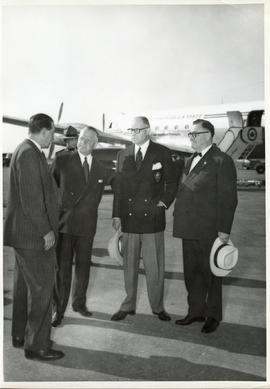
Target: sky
{"points": [[123, 58]]}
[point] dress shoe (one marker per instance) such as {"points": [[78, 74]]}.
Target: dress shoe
{"points": [[210, 325], [189, 320], [120, 315], [17, 341], [44, 355], [163, 316], [83, 311], [57, 319]]}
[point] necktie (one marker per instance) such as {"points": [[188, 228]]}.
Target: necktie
{"points": [[138, 159], [86, 169], [43, 155]]}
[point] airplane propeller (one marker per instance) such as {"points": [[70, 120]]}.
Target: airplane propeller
{"points": [[52, 146], [60, 112]]}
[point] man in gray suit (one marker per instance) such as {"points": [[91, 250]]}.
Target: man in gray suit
{"points": [[31, 228], [204, 210]]}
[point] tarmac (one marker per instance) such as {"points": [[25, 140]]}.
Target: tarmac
{"points": [[142, 349]]}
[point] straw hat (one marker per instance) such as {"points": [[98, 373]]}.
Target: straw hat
{"points": [[223, 258]]}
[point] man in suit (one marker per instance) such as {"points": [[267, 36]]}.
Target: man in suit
{"points": [[204, 210], [80, 179], [144, 187], [31, 228], [70, 139]]}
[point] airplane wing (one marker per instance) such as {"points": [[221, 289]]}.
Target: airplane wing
{"points": [[59, 129]]}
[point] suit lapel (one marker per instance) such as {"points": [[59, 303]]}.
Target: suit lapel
{"points": [[202, 163], [147, 158], [76, 164]]}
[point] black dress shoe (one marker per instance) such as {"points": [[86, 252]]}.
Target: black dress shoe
{"points": [[83, 311], [163, 316], [17, 341], [120, 315], [57, 319], [44, 355], [189, 320], [210, 325]]}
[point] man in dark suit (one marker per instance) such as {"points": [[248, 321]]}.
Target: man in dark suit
{"points": [[80, 179], [144, 186], [204, 210], [31, 228], [70, 139]]}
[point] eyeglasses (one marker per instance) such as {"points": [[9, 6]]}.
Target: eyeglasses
{"points": [[136, 130], [194, 135]]}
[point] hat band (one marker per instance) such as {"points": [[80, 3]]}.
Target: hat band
{"points": [[215, 257]]}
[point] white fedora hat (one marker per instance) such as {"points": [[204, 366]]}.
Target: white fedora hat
{"points": [[115, 247], [223, 257]]}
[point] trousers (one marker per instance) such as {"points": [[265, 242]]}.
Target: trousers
{"points": [[204, 288], [79, 248], [34, 276], [152, 248]]}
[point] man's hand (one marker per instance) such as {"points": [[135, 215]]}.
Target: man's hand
{"points": [[49, 240], [223, 237], [116, 223]]}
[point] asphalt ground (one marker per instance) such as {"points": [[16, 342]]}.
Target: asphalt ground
{"points": [[141, 348]]}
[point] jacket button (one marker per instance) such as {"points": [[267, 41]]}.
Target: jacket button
{"points": [[130, 214], [71, 193], [145, 214], [129, 199], [145, 200]]}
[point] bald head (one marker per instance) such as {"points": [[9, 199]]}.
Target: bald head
{"points": [[140, 130]]}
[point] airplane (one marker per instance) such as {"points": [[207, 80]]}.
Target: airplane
{"points": [[239, 129]]}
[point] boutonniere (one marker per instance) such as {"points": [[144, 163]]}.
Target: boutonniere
{"points": [[100, 181], [156, 166]]}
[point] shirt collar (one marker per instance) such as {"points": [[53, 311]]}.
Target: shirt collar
{"points": [[143, 147], [204, 151], [89, 158], [36, 144]]}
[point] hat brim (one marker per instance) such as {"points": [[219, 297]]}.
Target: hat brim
{"points": [[218, 272], [113, 247]]}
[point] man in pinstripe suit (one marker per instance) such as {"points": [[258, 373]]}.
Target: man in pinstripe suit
{"points": [[31, 228]]}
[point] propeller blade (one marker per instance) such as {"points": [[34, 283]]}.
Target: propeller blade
{"points": [[60, 112], [51, 150]]}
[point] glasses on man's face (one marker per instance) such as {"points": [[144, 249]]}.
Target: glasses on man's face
{"points": [[194, 135], [137, 130]]}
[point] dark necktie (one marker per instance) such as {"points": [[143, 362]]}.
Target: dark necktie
{"points": [[139, 159], [86, 169], [43, 155]]}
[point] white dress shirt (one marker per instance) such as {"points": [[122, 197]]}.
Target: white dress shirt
{"points": [[198, 158], [88, 157], [36, 144], [143, 148]]}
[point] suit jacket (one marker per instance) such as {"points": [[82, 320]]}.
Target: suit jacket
{"points": [[206, 198], [32, 209], [79, 200], [136, 193]]}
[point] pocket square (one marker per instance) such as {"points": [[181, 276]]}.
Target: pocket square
{"points": [[156, 166]]}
